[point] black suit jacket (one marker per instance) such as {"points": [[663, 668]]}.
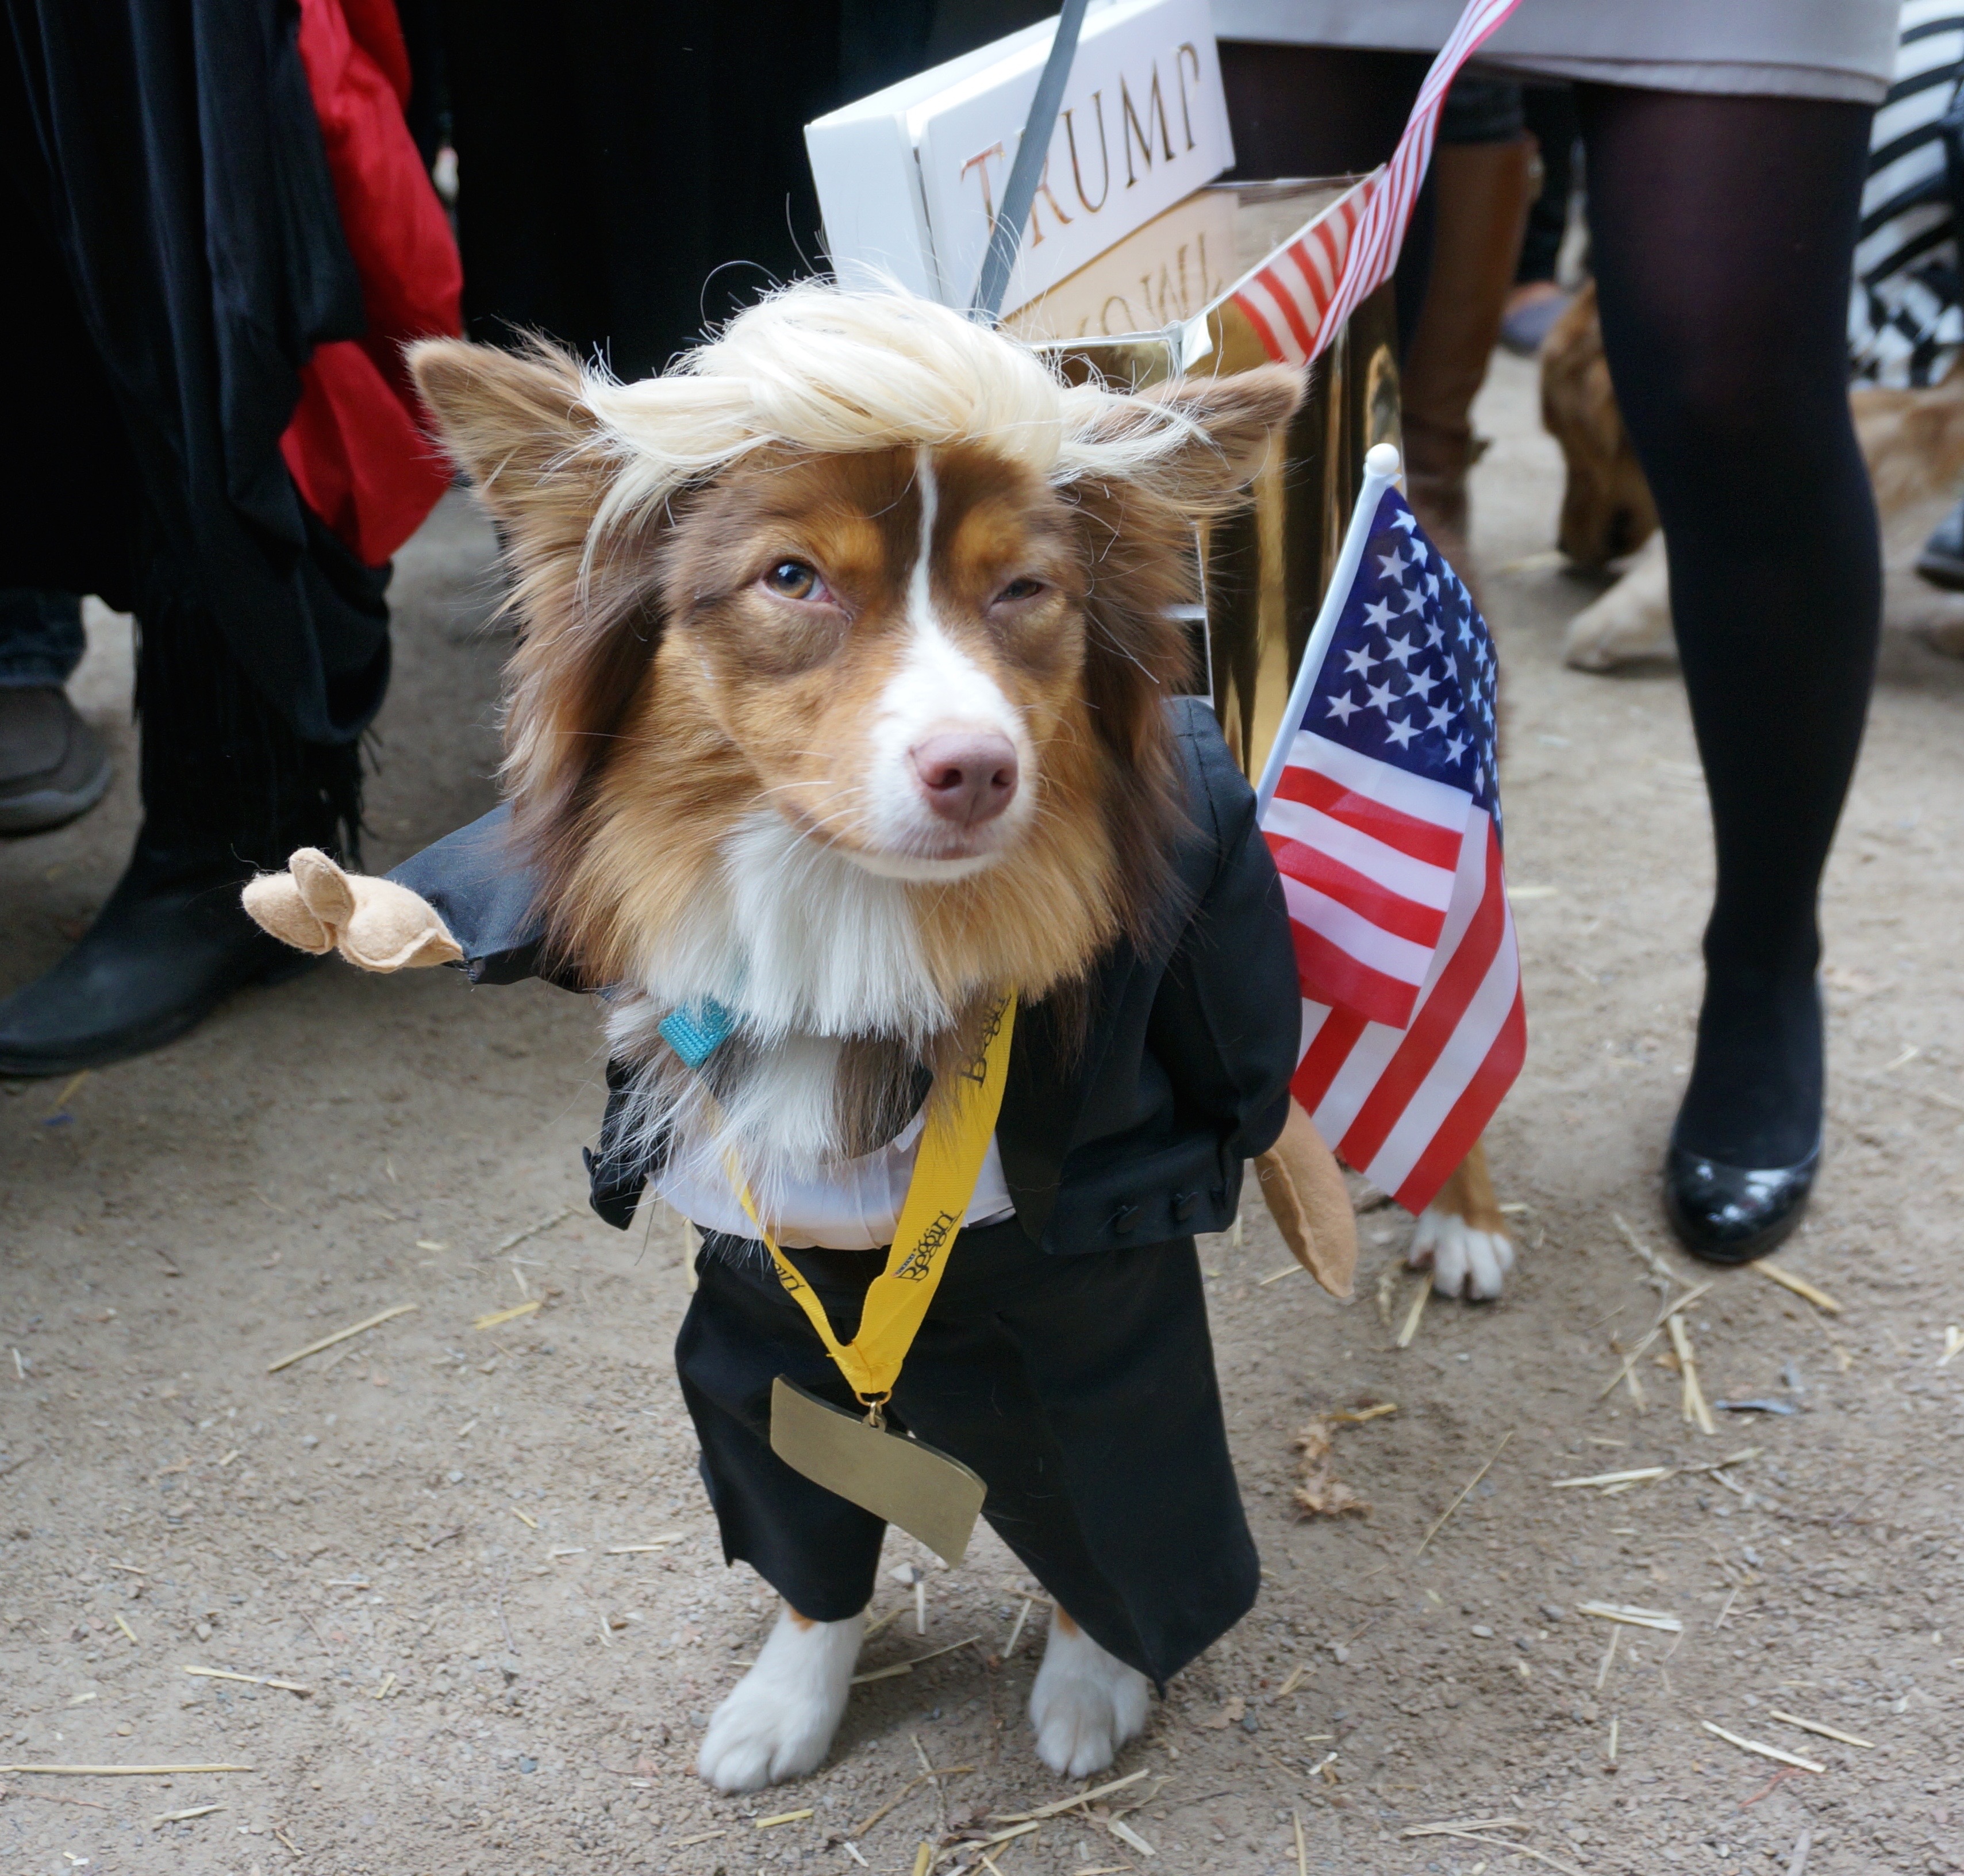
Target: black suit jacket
{"points": [[1134, 1131]]}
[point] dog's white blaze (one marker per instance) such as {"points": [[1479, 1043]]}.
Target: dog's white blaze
{"points": [[920, 595], [777, 1721], [937, 686]]}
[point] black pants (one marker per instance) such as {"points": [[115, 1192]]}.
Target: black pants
{"points": [[175, 253], [1082, 1389]]}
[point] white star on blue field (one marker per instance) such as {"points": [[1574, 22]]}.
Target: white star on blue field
{"points": [[1410, 679]]}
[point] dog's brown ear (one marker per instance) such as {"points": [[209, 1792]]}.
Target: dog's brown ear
{"points": [[511, 420], [1139, 540], [1234, 419], [519, 425], [1229, 423]]}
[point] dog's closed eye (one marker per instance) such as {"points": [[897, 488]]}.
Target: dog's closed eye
{"points": [[1019, 590]]}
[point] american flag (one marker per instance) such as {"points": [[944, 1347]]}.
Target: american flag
{"points": [[1385, 825], [1298, 299]]}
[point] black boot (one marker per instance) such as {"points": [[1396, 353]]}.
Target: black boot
{"points": [[52, 766], [172, 943], [1725, 1214], [228, 791]]}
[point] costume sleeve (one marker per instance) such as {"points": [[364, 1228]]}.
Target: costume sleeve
{"points": [[1226, 1020], [480, 882]]}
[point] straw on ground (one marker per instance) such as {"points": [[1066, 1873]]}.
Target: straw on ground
{"points": [[1634, 1617], [1765, 1751], [340, 1335], [498, 1316], [1439, 1523], [252, 1680], [1798, 1285], [120, 1772], [1816, 1726]]}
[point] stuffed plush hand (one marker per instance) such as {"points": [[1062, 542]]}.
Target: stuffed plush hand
{"points": [[1309, 1204], [373, 923]]}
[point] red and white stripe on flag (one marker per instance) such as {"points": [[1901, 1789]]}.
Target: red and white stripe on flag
{"points": [[1285, 298], [1405, 1104], [1298, 299], [1368, 854]]}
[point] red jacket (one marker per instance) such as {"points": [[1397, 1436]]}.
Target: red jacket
{"points": [[357, 447]]}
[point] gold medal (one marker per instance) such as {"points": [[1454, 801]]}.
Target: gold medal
{"points": [[907, 1482]]}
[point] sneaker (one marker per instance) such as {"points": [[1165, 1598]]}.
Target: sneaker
{"points": [[1532, 313], [52, 766], [1942, 561]]}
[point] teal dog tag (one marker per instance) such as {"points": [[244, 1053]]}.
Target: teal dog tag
{"points": [[696, 1034]]}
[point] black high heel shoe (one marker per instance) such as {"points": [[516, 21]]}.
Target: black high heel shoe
{"points": [[1733, 1214], [1733, 1189]]}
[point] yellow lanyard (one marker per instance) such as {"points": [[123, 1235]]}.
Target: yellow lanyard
{"points": [[946, 1166]]}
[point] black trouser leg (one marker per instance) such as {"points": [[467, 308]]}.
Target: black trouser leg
{"points": [[228, 789], [1081, 1388], [226, 783]]}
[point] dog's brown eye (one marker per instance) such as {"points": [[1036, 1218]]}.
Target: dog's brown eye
{"points": [[1020, 589], [792, 579]]}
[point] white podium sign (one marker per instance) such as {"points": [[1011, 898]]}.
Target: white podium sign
{"points": [[909, 178]]}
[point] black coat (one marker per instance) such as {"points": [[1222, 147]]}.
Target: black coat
{"points": [[1135, 1135], [634, 171], [174, 254]]}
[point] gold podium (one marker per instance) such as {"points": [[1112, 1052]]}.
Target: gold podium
{"points": [[1263, 572]]}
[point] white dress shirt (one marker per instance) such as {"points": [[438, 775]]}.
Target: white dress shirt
{"points": [[852, 1205]]}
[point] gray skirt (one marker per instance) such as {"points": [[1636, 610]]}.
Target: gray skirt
{"points": [[1844, 49]]}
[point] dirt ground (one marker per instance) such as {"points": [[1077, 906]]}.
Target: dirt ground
{"points": [[483, 1550]]}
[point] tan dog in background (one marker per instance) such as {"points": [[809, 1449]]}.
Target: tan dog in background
{"points": [[1913, 441]]}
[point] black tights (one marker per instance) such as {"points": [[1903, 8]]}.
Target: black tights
{"points": [[1722, 230]]}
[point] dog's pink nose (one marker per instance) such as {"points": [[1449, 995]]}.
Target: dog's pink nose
{"points": [[968, 776]]}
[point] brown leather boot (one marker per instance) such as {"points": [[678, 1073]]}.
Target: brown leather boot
{"points": [[1484, 190]]}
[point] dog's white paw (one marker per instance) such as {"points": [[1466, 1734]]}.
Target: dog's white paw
{"points": [[777, 1721], [1463, 1262], [1086, 1704], [1631, 623]]}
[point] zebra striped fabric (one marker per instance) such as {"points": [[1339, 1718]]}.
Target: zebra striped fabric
{"points": [[1906, 311]]}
